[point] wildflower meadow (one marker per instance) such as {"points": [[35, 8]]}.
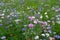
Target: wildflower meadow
{"points": [[29, 19]]}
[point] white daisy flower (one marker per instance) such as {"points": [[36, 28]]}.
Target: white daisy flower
{"points": [[17, 21], [47, 34], [38, 12], [3, 37], [43, 35], [2, 17], [36, 37], [41, 16], [46, 16], [45, 13], [28, 7]]}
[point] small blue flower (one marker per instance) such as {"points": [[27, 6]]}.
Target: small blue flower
{"points": [[1, 3], [57, 36], [23, 29], [10, 18], [0, 24]]}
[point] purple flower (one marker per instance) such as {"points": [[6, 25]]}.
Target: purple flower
{"points": [[49, 31], [49, 27], [0, 24], [44, 23], [57, 36], [30, 25]]}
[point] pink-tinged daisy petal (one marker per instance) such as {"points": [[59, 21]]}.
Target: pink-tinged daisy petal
{"points": [[31, 18], [35, 21]]}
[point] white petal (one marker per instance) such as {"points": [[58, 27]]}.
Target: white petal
{"points": [[45, 13], [3, 37], [47, 34], [43, 34], [36, 37]]}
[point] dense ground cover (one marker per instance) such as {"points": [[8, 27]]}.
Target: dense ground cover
{"points": [[29, 19]]}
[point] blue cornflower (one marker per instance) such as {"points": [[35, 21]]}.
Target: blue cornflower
{"points": [[0, 24], [23, 29], [57, 36]]}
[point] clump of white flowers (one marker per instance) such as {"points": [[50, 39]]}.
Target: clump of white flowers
{"points": [[17, 21], [47, 34], [58, 19], [3, 37]]}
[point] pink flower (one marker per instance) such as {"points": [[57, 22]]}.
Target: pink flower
{"points": [[44, 23], [51, 38], [30, 25], [31, 18]]}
